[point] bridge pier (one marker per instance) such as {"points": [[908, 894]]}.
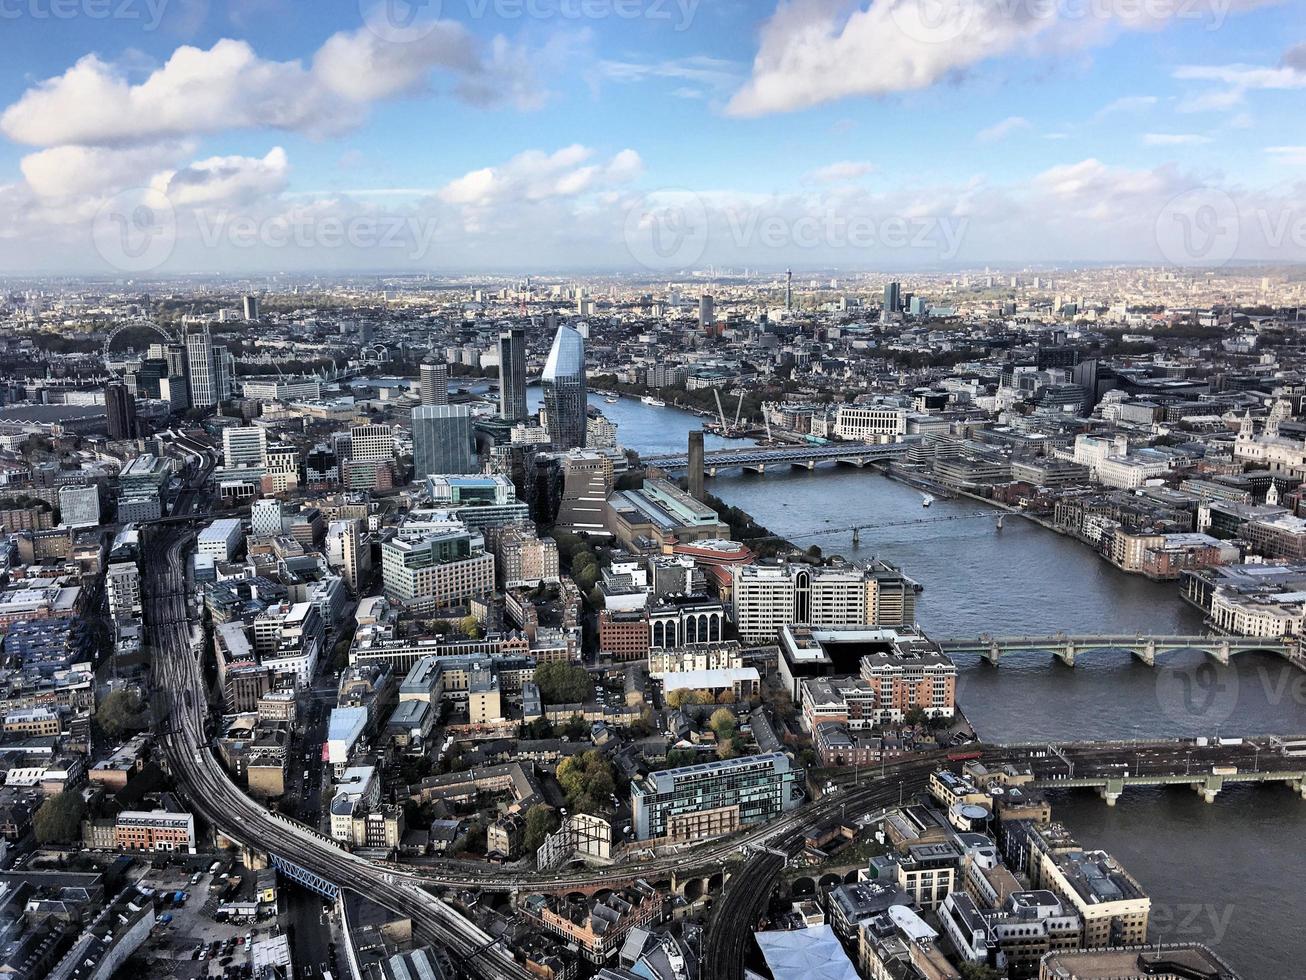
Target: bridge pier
{"points": [[1066, 654], [758, 468], [1148, 653], [993, 654], [1112, 790], [711, 471], [1299, 786], [1221, 652], [798, 465], [1209, 788]]}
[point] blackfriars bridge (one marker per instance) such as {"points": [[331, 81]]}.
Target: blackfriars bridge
{"points": [[1068, 647]]}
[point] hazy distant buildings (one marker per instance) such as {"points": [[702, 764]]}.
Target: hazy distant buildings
{"points": [[565, 391], [443, 441], [512, 374], [892, 299]]}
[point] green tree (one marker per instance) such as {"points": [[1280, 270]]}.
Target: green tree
{"points": [[121, 712], [588, 780], [59, 819], [722, 723], [541, 821], [978, 971], [915, 716], [563, 683], [470, 626]]}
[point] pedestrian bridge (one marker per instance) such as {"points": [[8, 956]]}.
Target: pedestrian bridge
{"points": [[1070, 647], [756, 459]]}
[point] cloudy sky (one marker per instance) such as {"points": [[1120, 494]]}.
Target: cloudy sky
{"points": [[141, 136]]}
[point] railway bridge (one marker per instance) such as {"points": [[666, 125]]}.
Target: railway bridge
{"points": [[1069, 647]]}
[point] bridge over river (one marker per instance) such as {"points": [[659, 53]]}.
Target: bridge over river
{"points": [[1068, 648], [756, 458]]}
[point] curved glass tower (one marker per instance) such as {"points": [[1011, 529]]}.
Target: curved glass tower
{"points": [[565, 392]]}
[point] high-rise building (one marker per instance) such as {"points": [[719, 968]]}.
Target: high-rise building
{"points": [[892, 299], [789, 289], [565, 391], [512, 374], [372, 443], [443, 440], [209, 369], [348, 550], [251, 307], [435, 383], [120, 407], [244, 446], [266, 517], [696, 464], [706, 311]]}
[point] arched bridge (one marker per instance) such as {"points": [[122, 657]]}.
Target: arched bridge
{"points": [[757, 458], [1069, 647]]}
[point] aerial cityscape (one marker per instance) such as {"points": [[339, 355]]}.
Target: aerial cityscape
{"points": [[652, 490]]}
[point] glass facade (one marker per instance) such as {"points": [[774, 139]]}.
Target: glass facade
{"points": [[443, 441], [761, 787], [565, 391], [512, 374]]}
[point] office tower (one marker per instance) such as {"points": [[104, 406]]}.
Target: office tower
{"points": [[209, 369], [443, 441], [512, 374], [695, 803], [120, 407], [789, 289], [435, 383], [251, 307], [372, 443], [565, 392], [892, 299], [244, 447], [706, 314], [696, 464]]}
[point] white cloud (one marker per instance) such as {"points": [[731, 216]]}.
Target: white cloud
{"points": [[1292, 155], [844, 170], [226, 181], [1174, 139], [1231, 83], [815, 51], [536, 176], [229, 86], [1000, 131], [62, 172], [1128, 103]]}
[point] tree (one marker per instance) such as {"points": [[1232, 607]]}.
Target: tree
{"points": [[915, 716], [59, 819], [563, 683], [541, 821], [588, 780], [722, 723], [122, 711], [978, 971], [470, 626]]}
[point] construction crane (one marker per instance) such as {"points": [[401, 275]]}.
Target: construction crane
{"points": [[716, 393]]}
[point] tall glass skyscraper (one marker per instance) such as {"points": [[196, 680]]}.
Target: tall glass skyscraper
{"points": [[565, 391], [443, 441], [512, 374]]}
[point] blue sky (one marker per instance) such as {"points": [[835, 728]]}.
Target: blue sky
{"points": [[544, 135]]}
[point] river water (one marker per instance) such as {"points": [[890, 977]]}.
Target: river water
{"points": [[1229, 873]]}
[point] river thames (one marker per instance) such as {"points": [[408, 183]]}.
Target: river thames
{"points": [[1226, 873]]}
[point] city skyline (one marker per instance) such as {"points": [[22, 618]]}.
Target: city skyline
{"points": [[660, 137]]}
